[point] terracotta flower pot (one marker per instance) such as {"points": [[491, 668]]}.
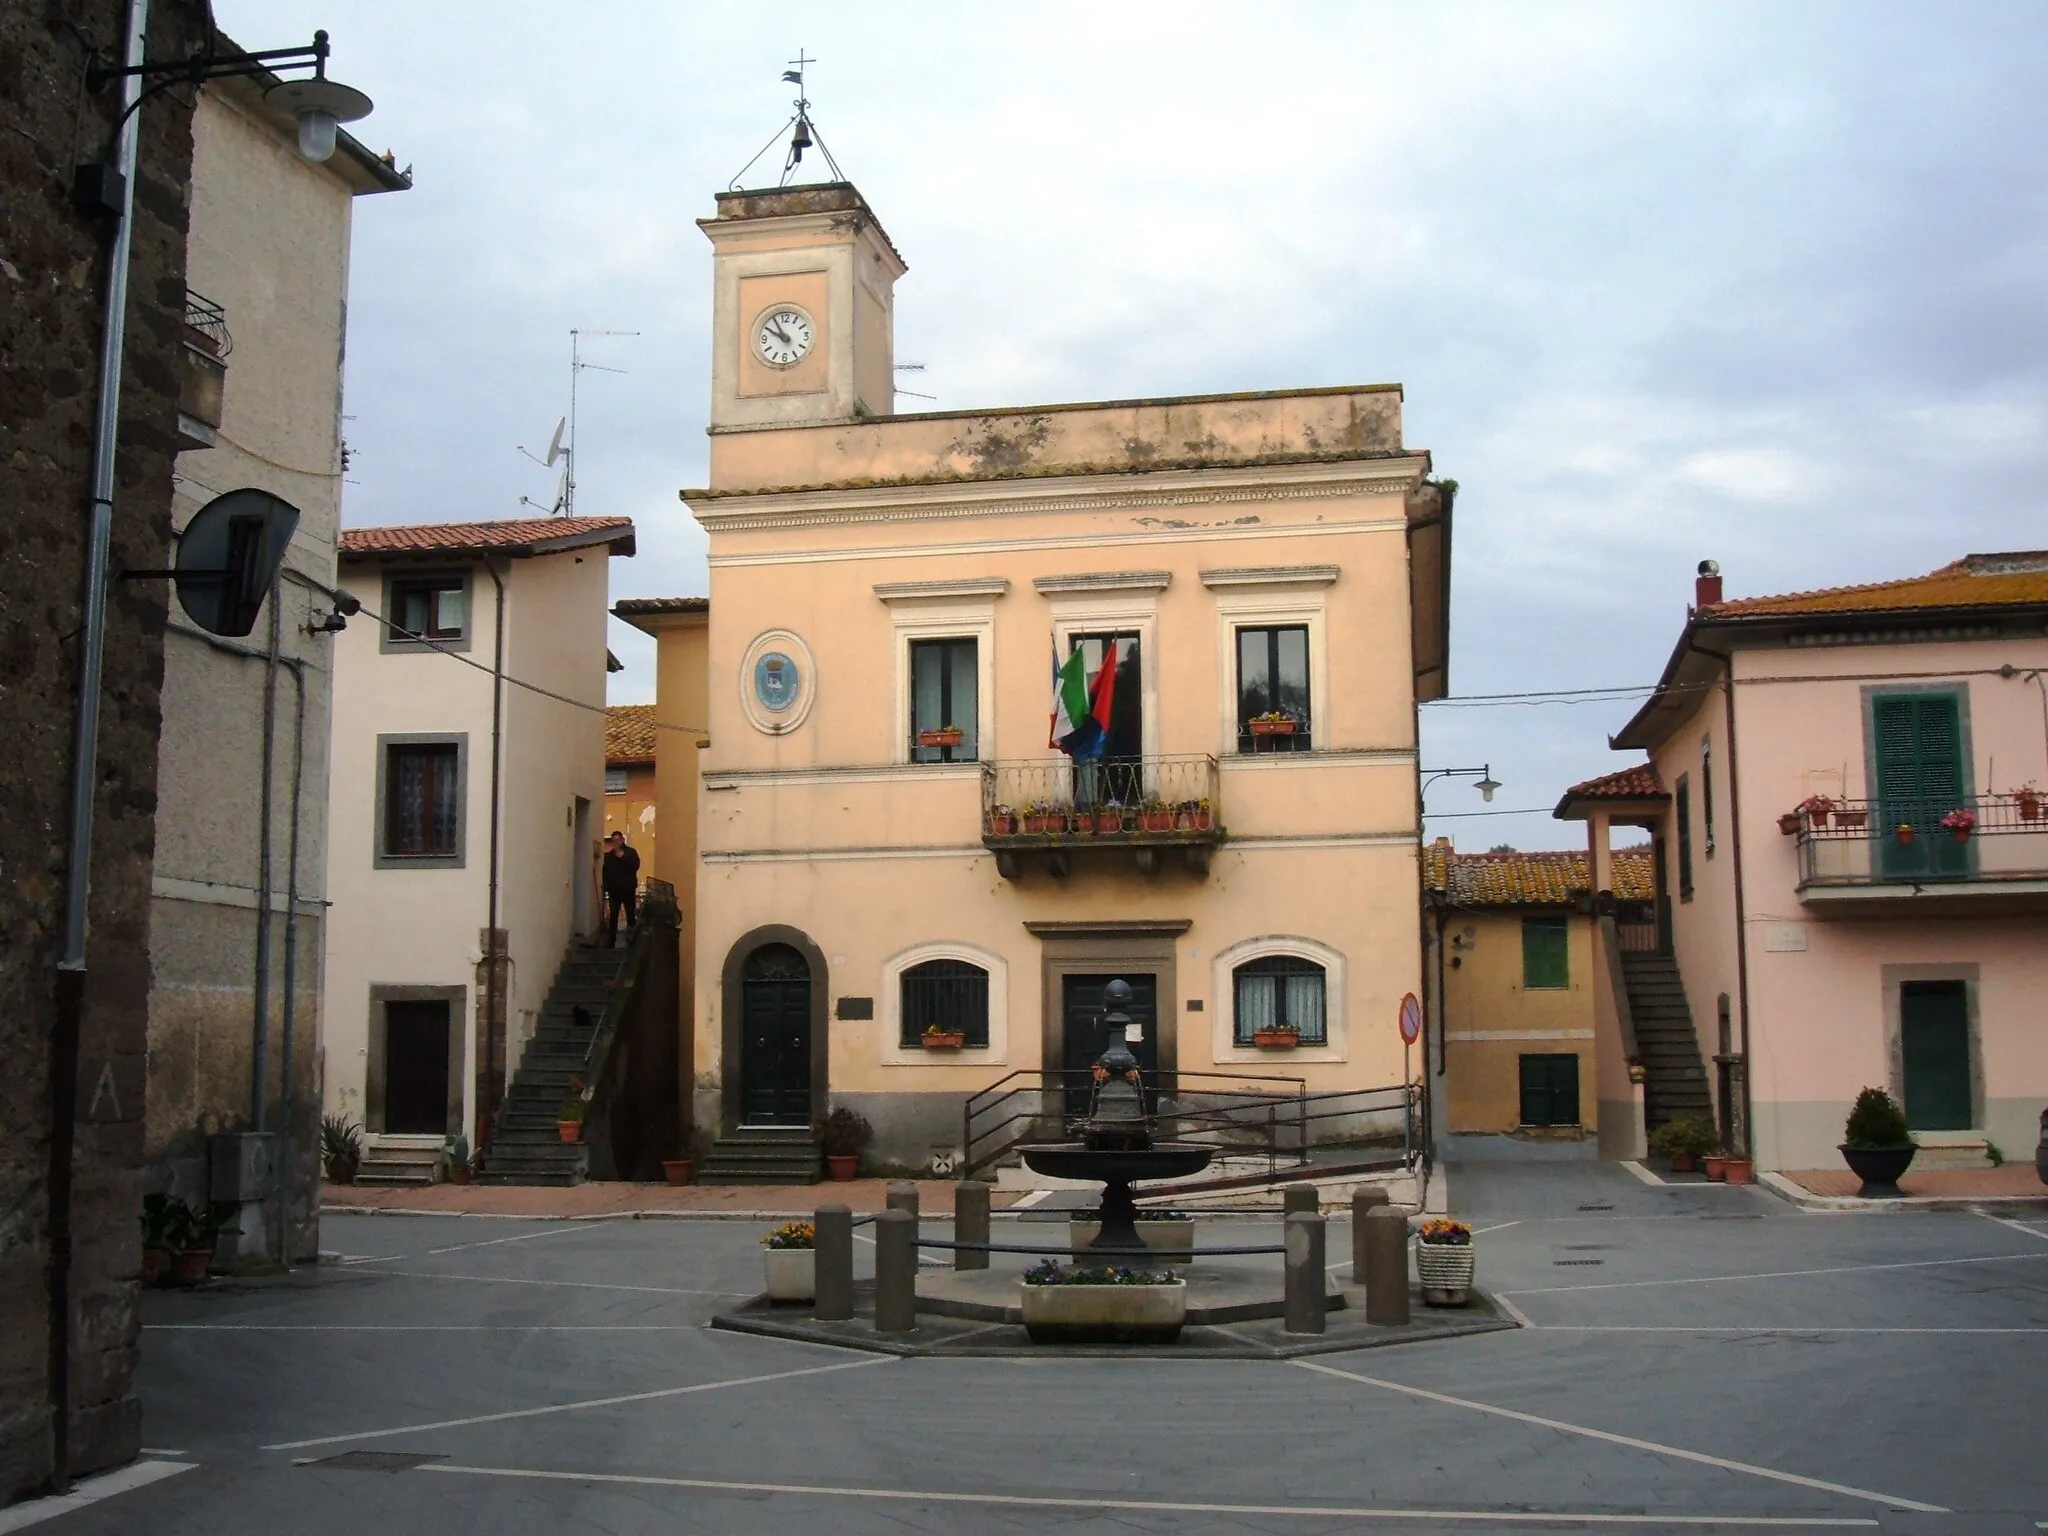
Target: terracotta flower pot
{"points": [[1741, 1171], [572, 1130], [1904, 834], [677, 1170], [1109, 821], [1275, 1039], [458, 1173], [1717, 1168], [1002, 826], [188, 1266], [1789, 823], [842, 1170], [154, 1262], [944, 1041], [1682, 1162]]}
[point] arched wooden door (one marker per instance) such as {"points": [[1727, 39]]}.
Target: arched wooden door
{"points": [[775, 1037]]}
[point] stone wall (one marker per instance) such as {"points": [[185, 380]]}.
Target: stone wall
{"points": [[52, 274]]}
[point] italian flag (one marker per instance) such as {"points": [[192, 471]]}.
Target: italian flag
{"points": [[1081, 709]]}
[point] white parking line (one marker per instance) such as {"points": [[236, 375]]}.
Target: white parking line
{"points": [[419, 1328], [1155, 1506], [20, 1517], [1891, 1501], [1642, 1173], [1731, 1327], [2017, 1226], [1777, 1274], [489, 1242], [578, 1407]]}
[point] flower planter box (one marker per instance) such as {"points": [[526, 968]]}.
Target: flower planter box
{"points": [[2030, 807], [678, 1170], [1741, 1171], [1880, 1169], [1275, 1039], [1109, 821], [1192, 821], [1272, 727], [1445, 1270], [943, 1042], [792, 1273], [1002, 826], [1851, 820], [1040, 825], [1788, 824], [1105, 1314], [948, 736], [1171, 1242], [1155, 821]]}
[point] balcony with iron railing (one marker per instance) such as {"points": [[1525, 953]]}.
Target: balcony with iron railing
{"points": [[1977, 854], [1141, 808], [202, 379]]}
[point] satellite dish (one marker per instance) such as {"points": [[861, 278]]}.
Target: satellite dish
{"points": [[228, 557], [555, 442]]}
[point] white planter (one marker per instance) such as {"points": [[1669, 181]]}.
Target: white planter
{"points": [[1120, 1314], [792, 1273], [1445, 1270], [1170, 1242]]}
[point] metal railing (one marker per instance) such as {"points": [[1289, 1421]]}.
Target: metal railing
{"points": [[1898, 841], [207, 325], [1639, 937], [1235, 1112], [1054, 800]]}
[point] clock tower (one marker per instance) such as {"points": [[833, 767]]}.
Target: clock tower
{"points": [[803, 308]]}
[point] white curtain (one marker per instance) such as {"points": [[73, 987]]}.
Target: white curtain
{"points": [[1305, 1004], [1258, 1004]]}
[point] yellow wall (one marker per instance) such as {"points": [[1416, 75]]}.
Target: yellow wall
{"points": [[1491, 1020], [637, 813]]}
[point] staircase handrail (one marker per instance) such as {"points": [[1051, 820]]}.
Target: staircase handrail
{"points": [[1617, 979], [660, 897]]}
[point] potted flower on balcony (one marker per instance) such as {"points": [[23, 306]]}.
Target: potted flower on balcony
{"points": [[1444, 1262], [941, 736], [1877, 1144], [2029, 801], [1155, 816], [1903, 832], [937, 1039], [1109, 818], [1191, 816], [846, 1135], [792, 1261], [1851, 818], [1276, 1037], [1960, 823], [1002, 820], [1275, 722], [1815, 809], [1788, 824]]}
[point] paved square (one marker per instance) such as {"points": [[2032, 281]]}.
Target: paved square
{"points": [[1694, 1358]]}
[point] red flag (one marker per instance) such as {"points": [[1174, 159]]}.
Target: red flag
{"points": [[1102, 697]]}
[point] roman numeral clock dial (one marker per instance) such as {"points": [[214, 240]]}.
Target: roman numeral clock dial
{"points": [[782, 337]]}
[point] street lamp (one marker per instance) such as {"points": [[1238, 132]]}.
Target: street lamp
{"points": [[1486, 785]]}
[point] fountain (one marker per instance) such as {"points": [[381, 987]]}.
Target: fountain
{"points": [[1116, 1146]]}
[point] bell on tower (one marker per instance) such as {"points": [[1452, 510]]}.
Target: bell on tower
{"points": [[803, 293]]}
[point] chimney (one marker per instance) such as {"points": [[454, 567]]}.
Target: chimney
{"points": [[1706, 587]]}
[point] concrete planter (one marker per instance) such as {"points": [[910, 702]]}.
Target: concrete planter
{"points": [[1105, 1314], [1880, 1169], [792, 1273], [1172, 1242], [1445, 1270]]}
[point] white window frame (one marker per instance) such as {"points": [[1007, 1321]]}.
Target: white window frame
{"points": [[1223, 993], [889, 1007], [1093, 614], [943, 618], [1255, 608]]}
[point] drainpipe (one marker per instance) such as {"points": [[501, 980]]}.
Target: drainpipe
{"points": [[259, 1065], [491, 1035], [70, 981], [1741, 898]]}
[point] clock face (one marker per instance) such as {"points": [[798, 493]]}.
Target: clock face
{"points": [[782, 337]]}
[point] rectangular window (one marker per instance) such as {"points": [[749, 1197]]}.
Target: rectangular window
{"points": [[1117, 777], [947, 997], [422, 801], [1707, 792], [615, 781], [1550, 1090], [1917, 778], [1681, 809], [433, 609], [1272, 689], [1282, 992], [945, 693], [1546, 953]]}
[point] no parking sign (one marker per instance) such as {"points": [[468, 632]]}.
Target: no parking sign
{"points": [[1411, 1020]]}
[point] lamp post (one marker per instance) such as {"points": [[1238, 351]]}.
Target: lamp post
{"points": [[1486, 786], [108, 190]]}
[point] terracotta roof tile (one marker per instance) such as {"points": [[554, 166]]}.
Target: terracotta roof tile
{"points": [[1638, 783], [519, 536], [628, 734], [2017, 577], [627, 607], [1532, 879]]}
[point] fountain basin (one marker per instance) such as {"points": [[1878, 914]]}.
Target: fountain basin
{"points": [[1077, 1160]]}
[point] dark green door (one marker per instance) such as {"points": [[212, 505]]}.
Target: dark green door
{"points": [[775, 1037], [1550, 1090], [1918, 740], [1086, 1037], [1934, 1030]]}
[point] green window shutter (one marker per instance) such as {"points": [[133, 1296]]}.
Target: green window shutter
{"points": [[1545, 953], [1919, 748], [1682, 813]]}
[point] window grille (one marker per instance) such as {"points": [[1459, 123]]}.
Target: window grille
{"points": [[1281, 992], [949, 996]]}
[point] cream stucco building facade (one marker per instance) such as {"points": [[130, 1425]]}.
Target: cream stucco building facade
{"points": [[268, 268], [889, 596], [462, 804]]}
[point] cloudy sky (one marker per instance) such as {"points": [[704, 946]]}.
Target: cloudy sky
{"points": [[1755, 282]]}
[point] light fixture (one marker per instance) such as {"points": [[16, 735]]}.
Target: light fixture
{"points": [[321, 106], [1487, 786]]}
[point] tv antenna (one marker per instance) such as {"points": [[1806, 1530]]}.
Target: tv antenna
{"points": [[803, 133], [563, 449], [912, 368]]}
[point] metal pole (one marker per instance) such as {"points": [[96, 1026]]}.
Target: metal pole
{"points": [[259, 1055], [70, 988], [291, 959]]}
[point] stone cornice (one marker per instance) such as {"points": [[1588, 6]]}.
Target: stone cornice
{"points": [[1105, 581], [1271, 576], [965, 586], [1225, 486]]}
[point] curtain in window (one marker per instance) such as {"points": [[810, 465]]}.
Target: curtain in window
{"points": [[442, 766], [1258, 1004], [1305, 1004], [410, 772]]}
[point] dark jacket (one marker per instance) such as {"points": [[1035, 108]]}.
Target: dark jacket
{"points": [[621, 872]]}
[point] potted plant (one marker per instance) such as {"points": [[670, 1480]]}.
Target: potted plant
{"points": [[1738, 1169], [1788, 824], [157, 1216], [678, 1170], [1276, 1037], [1274, 722], [1444, 1261], [1904, 832], [941, 736], [569, 1118], [1851, 817], [792, 1261], [1079, 1304], [1714, 1165], [937, 1039], [846, 1135], [1683, 1140], [1155, 816], [1877, 1144], [458, 1160], [1815, 809], [194, 1238], [1192, 816], [2029, 800], [1960, 823], [1109, 818], [1002, 821], [341, 1148]]}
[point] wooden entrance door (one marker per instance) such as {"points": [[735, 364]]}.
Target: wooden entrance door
{"points": [[416, 1067], [1934, 1030], [775, 1038], [1085, 1037]]}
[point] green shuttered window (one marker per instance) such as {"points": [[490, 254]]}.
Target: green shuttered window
{"points": [[1546, 958]]}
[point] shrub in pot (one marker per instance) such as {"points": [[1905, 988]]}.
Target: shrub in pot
{"points": [[341, 1148], [846, 1135], [1683, 1140], [458, 1160], [159, 1212], [1877, 1144]]}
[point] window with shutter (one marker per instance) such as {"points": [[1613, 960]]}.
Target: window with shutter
{"points": [[1917, 744], [1682, 812], [1546, 959]]}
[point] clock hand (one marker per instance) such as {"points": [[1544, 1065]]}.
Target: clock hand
{"points": [[775, 329]]}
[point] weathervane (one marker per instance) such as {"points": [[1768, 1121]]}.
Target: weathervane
{"points": [[803, 133]]}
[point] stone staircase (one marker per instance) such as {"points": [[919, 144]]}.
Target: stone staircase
{"points": [[526, 1147], [1674, 1076], [401, 1160], [763, 1157]]}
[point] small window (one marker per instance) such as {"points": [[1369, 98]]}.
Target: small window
{"points": [[422, 801], [947, 997], [436, 609], [1681, 808], [944, 701], [1272, 689], [1283, 992], [615, 781], [1707, 792], [1550, 1090], [1546, 954]]}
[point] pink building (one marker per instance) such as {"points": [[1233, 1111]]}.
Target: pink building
{"points": [[1848, 793]]}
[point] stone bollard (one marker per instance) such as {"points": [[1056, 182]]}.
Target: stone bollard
{"points": [[903, 1197], [895, 1272], [1385, 1272], [1301, 1198], [1363, 1203], [970, 1222], [1307, 1285], [833, 1301]]}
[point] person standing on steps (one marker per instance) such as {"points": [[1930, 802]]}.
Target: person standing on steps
{"points": [[621, 887]]}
